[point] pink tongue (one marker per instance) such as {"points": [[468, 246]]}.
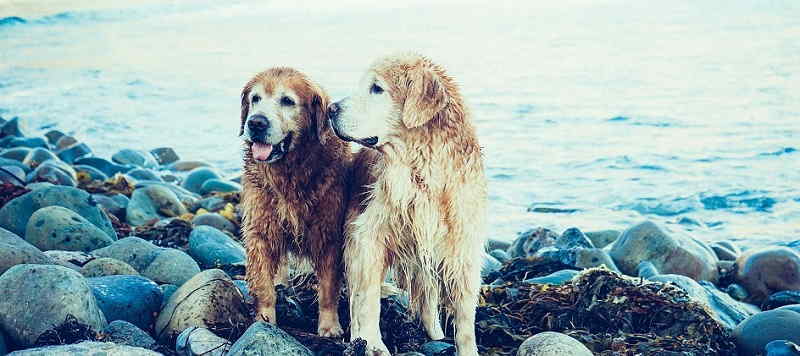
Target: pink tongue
{"points": [[261, 151]]}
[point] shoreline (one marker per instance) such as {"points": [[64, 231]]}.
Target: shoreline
{"points": [[147, 229]]}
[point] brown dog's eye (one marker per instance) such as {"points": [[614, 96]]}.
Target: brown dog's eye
{"points": [[255, 99], [287, 101], [375, 89]]}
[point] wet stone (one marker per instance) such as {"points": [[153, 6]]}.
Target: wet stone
{"points": [[135, 158], [153, 203], [37, 156], [16, 153], [133, 299], [531, 241], [105, 166], [71, 153], [16, 251], [89, 172], [65, 141], [58, 228], [93, 348], [196, 177], [196, 341], [53, 136], [219, 185], [753, 334], [263, 338], [552, 344], [30, 142], [144, 174], [54, 171], [105, 266], [165, 155], [124, 333], [768, 270]]}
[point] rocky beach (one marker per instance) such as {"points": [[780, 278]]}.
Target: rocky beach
{"points": [[140, 254]]}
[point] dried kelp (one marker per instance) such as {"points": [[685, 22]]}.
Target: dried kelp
{"points": [[610, 314], [10, 191], [117, 184], [175, 234]]}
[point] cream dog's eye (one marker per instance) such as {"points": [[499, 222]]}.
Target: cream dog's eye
{"points": [[287, 101], [255, 99], [375, 89]]}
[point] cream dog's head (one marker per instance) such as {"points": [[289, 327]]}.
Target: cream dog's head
{"points": [[397, 93], [281, 110]]}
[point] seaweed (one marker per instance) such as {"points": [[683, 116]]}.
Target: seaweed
{"points": [[9, 191], [609, 313], [117, 184], [174, 234], [69, 332]]}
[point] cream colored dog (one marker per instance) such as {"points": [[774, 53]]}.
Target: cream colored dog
{"points": [[419, 201]]}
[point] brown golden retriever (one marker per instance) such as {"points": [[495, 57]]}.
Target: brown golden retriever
{"points": [[293, 193], [420, 198]]}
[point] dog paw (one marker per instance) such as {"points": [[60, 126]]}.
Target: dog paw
{"points": [[377, 349], [334, 330]]}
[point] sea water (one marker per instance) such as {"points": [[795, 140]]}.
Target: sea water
{"points": [[682, 112]]}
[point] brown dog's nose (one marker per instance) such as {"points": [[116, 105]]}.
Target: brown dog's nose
{"points": [[258, 123]]}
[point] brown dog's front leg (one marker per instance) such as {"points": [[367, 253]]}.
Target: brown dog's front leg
{"points": [[261, 270], [329, 272]]}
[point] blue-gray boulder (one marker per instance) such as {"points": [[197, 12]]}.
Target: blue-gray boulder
{"points": [[51, 293], [135, 158], [153, 203], [15, 214], [266, 339], [134, 299], [58, 228], [213, 248], [16, 251], [124, 333], [219, 185], [196, 177]]}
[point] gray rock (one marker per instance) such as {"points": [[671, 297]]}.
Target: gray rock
{"points": [[3, 347], [207, 299], [15, 214], [781, 348], [490, 265], [16, 153], [164, 155], [86, 348], [73, 260], [437, 348], [556, 278], [213, 248], [105, 266], [12, 127], [144, 174], [135, 158], [153, 203], [550, 343], [727, 311], [58, 228], [670, 254], [71, 153], [211, 203], [39, 185], [776, 300], [37, 156], [54, 171], [753, 334], [494, 244], [134, 299], [16, 251], [196, 341], [14, 163], [603, 238], [12, 174], [573, 238], [500, 255], [186, 197], [768, 270], [168, 290], [266, 339], [53, 136], [214, 220], [594, 257], [39, 297], [125, 333], [184, 166], [196, 177], [65, 141], [89, 172], [108, 168], [30, 142], [115, 205], [171, 266], [531, 241], [132, 250], [219, 185]]}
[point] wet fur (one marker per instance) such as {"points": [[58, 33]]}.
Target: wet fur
{"points": [[295, 206], [419, 207]]}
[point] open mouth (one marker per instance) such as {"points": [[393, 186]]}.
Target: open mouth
{"points": [[264, 152]]}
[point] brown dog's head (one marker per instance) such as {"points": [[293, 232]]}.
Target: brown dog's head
{"points": [[399, 92], [281, 110]]}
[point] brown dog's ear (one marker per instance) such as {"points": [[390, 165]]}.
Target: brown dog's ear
{"points": [[318, 114], [245, 108], [426, 97]]}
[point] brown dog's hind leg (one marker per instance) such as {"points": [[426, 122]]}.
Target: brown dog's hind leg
{"points": [[329, 272]]}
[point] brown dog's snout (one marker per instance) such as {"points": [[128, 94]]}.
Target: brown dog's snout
{"points": [[258, 124]]}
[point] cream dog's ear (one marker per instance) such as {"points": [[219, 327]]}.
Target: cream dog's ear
{"points": [[427, 96]]}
